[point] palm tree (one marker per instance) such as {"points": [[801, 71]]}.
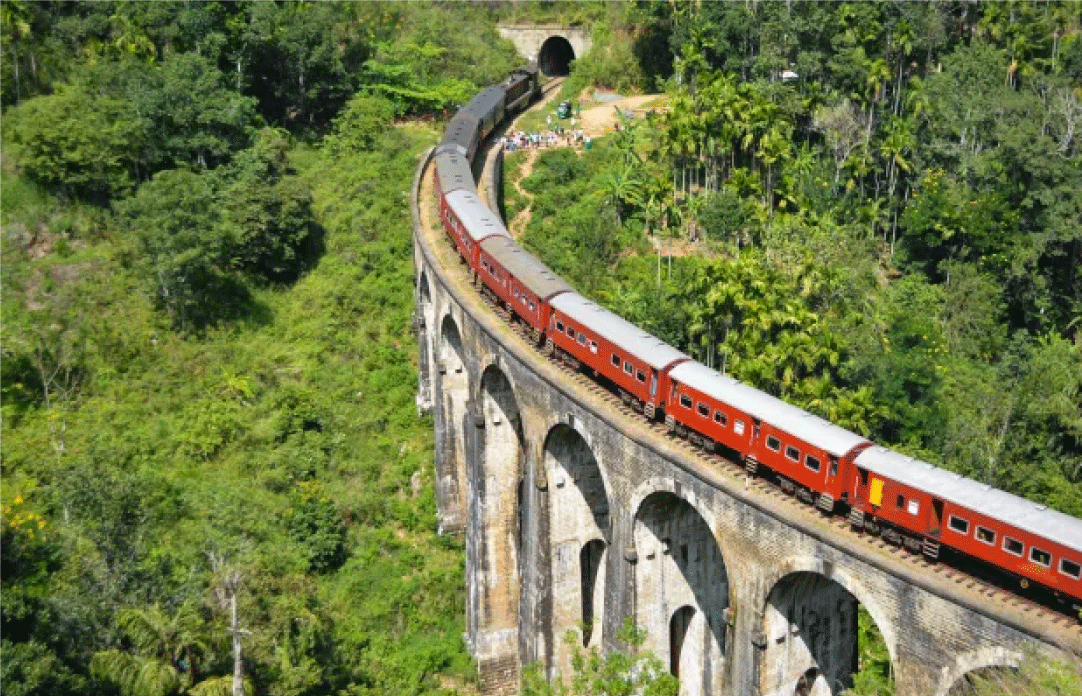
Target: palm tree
{"points": [[621, 188], [166, 652], [895, 146]]}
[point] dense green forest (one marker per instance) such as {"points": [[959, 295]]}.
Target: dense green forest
{"points": [[207, 367]]}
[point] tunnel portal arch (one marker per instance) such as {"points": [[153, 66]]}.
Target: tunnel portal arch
{"points": [[555, 56]]}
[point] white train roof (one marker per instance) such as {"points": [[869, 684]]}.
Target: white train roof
{"points": [[453, 170], [479, 221], [617, 330], [536, 276], [799, 423], [1018, 512]]}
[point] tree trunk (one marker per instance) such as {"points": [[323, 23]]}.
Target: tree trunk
{"points": [[238, 661]]}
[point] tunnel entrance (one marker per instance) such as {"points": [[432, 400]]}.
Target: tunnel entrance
{"points": [[555, 56]]}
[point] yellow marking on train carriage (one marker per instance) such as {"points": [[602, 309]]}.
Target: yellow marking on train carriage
{"points": [[875, 495]]}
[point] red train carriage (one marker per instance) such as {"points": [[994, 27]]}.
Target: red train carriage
{"points": [[520, 281], [468, 221], [453, 171], [923, 506], [811, 456], [633, 360]]}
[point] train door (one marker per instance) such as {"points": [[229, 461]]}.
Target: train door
{"points": [[935, 524], [653, 384]]}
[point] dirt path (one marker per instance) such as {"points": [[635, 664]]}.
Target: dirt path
{"points": [[517, 226], [594, 121], [603, 118]]}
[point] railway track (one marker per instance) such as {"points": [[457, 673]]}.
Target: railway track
{"points": [[972, 581]]}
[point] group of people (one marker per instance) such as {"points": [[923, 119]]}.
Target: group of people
{"points": [[521, 140]]}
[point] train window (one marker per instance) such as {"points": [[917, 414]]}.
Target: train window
{"points": [[1040, 556], [533, 307], [571, 331], [773, 443], [559, 326], [582, 339], [628, 367], [792, 453], [641, 376], [811, 462], [720, 417], [593, 344], [959, 525], [1013, 546], [914, 507], [685, 401], [1070, 568], [986, 535], [899, 502], [703, 410], [615, 360], [738, 427]]}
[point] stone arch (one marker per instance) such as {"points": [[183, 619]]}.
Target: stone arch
{"points": [[555, 56], [850, 584], [493, 539], [579, 537], [679, 625], [954, 675], [809, 630], [679, 563], [452, 386]]}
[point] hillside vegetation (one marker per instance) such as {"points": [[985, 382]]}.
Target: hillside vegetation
{"points": [[208, 365]]}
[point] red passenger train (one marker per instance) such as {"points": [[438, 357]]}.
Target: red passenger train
{"points": [[907, 501]]}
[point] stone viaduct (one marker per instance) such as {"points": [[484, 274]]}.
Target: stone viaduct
{"points": [[577, 516]]}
